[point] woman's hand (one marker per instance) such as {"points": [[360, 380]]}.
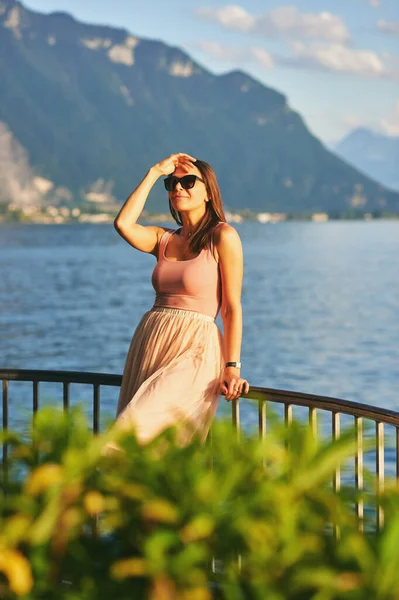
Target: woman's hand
{"points": [[168, 165], [233, 386]]}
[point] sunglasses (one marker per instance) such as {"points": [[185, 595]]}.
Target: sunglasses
{"points": [[187, 182]]}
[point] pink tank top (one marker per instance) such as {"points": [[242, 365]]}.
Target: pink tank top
{"points": [[193, 284]]}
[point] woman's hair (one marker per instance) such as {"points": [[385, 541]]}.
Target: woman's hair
{"points": [[214, 208]]}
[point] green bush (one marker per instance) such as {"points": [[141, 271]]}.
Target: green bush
{"points": [[145, 523]]}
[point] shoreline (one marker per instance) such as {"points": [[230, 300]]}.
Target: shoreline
{"points": [[162, 219]]}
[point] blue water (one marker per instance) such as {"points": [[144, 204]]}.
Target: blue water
{"points": [[320, 305]]}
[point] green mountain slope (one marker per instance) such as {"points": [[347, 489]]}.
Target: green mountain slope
{"points": [[89, 102]]}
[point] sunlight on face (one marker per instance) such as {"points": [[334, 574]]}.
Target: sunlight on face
{"points": [[185, 169], [187, 200]]}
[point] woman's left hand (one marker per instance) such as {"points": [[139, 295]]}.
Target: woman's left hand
{"points": [[233, 386]]}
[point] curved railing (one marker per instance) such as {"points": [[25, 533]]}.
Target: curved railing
{"points": [[263, 396]]}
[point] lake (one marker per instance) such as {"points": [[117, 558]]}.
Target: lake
{"points": [[320, 305]]}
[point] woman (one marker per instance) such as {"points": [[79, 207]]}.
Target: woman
{"points": [[178, 362]]}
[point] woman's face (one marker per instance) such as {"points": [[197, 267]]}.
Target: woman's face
{"points": [[186, 200]]}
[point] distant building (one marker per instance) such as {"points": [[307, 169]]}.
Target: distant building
{"points": [[233, 217], [271, 217], [319, 217], [96, 218]]}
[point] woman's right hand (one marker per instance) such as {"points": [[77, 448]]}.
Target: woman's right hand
{"points": [[168, 165]]}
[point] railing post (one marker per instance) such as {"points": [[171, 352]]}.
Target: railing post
{"points": [[262, 418], [5, 428], [336, 406], [236, 425], [313, 420], [96, 407], [35, 396], [336, 431], [359, 469], [65, 395], [262, 425], [397, 454], [236, 416], [288, 414], [380, 471], [288, 422]]}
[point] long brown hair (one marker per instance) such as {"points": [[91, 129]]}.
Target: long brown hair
{"points": [[214, 209]]}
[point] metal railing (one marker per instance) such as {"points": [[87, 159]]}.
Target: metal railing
{"points": [[263, 396]]}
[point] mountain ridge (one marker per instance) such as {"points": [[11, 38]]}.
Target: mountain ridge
{"points": [[92, 103], [372, 152]]}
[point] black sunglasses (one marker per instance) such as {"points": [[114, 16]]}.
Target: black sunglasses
{"points": [[187, 182]]}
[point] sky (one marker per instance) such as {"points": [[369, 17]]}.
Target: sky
{"points": [[337, 61]]}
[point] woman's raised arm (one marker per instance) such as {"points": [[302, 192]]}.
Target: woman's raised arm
{"points": [[145, 238]]}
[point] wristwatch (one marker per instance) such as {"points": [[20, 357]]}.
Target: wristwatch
{"points": [[233, 364]]}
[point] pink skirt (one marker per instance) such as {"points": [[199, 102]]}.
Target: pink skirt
{"points": [[172, 375]]}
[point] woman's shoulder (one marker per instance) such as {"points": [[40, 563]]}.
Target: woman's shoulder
{"points": [[226, 241], [162, 230], [224, 233]]}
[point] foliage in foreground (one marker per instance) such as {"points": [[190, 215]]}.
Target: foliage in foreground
{"points": [[163, 511]]}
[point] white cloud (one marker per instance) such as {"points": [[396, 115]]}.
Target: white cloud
{"points": [[231, 17], [290, 21], [282, 20], [385, 125], [390, 128], [262, 57], [339, 58], [221, 52], [236, 54], [373, 3], [351, 122], [332, 57], [314, 55], [390, 125], [391, 27]]}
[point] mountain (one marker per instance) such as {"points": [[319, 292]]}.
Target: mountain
{"points": [[90, 108], [374, 154]]}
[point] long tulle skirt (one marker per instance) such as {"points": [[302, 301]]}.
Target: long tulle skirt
{"points": [[172, 375]]}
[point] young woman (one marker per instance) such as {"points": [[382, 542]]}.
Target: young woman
{"points": [[179, 362]]}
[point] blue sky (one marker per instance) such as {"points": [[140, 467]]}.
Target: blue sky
{"points": [[337, 61]]}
